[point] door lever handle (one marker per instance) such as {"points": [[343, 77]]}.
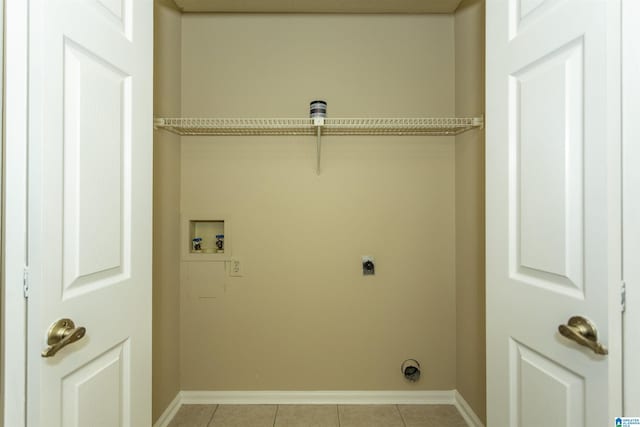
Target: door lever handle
{"points": [[583, 332], [62, 333]]}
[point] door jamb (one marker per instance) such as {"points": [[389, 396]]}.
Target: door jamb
{"points": [[630, 203], [14, 244]]}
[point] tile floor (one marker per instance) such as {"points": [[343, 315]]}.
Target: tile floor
{"points": [[318, 416]]}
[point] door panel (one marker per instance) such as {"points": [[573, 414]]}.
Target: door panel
{"points": [[90, 210], [524, 12], [118, 13], [547, 171], [552, 210], [105, 379], [97, 145], [532, 372]]}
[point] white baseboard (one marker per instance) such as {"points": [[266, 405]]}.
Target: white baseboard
{"points": [[170, 412], [438, 397], [465, 410], [318, 397]]}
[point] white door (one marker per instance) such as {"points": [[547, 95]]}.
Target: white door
{"points": [[90, 188], [553, 211]]}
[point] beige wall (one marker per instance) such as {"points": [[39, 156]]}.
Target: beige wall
{"points": [[303, 317], [469, 164], [166, 211]]}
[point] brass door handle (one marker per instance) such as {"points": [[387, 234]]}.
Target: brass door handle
{"points": [[583, 332], [62, 333]]}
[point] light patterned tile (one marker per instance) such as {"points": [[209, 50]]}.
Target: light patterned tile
{"points": [[193, 416], [307, 416], [244, 416], [431, 416], [369, 416]]}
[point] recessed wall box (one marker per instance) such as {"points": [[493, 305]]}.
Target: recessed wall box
{"points": [[201, 238]]}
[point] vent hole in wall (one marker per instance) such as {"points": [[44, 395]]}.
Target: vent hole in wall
{"points": [[410, 368]]}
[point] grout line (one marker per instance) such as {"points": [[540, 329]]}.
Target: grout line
{"points": [[404, 423], [276, 415], [338, 411], [212, 415]]}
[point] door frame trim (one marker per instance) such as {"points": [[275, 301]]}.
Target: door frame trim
{"points": [[14, 245], [630, 203], [615, 197]]}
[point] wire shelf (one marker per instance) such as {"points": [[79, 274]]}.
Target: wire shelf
{"points": [[357, 126]]}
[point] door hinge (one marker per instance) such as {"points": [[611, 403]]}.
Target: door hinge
{"points": [[623, 296], [25, 283]]}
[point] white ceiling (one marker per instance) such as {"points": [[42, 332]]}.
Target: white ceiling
{"points": [[319, 6]]}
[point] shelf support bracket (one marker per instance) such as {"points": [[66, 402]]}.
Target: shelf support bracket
{"points": [[318, 122], [158, 123], [479, 122], [318, 148]]}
